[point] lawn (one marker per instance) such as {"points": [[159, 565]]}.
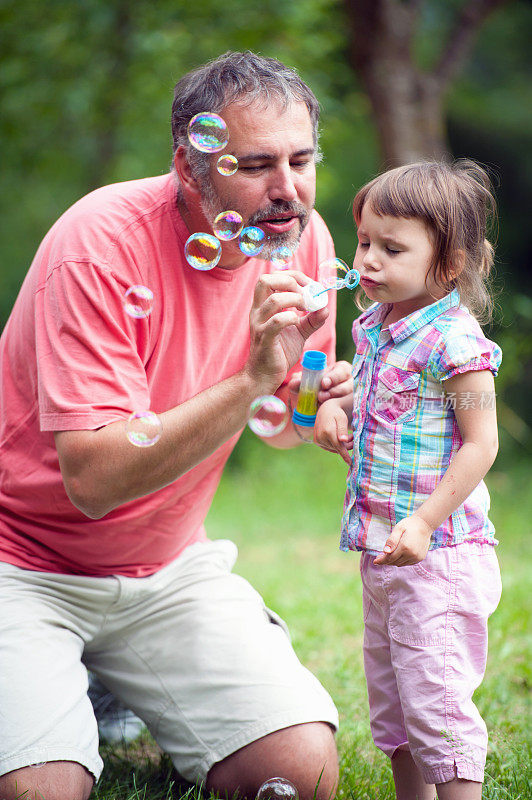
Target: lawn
{"points": [[286, 526]]}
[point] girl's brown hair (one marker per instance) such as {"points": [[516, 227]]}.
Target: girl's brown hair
{"points": [[456, 203]]}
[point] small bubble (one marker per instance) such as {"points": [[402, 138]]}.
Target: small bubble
{"points": [[227, 225], [39, 764], [207, 132], [268, 415], [282, 256], [203, 251], [227, 165], [332, 272], [144, 428], [138, 302], [251, 241], [277, 789]]}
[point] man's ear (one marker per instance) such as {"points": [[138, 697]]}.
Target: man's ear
{"points": [[457, 263], [182, 167]]}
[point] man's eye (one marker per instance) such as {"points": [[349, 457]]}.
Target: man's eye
{"points": [[299, 164], [254, 168]]}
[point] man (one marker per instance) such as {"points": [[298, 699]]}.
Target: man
{"points": [[104, 561]]}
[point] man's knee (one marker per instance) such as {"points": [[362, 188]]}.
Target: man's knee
{"points": [[304, 754], [55, 780]]}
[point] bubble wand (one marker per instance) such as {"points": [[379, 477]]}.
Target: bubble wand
{"points": [[313, 290]]}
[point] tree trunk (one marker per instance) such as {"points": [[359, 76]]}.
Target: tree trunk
{"points": [[407, 103]]}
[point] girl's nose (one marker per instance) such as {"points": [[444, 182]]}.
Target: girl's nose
{"points": [[370, 259]]}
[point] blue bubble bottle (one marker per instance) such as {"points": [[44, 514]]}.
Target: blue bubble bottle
{"points": [[304, 416]]}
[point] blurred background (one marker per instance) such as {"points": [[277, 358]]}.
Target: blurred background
{"points": [[86, 90]]}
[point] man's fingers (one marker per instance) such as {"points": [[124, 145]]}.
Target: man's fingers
{"points": [[312, 322]]}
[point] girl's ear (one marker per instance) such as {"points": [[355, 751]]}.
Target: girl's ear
{"points": [[457, 264]]}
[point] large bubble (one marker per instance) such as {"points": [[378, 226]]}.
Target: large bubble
{"points": [[207, 132], [268, 415], [282, 256], [227, 164], [252, 240], [227, 225], [138, 302], [203, 251], [277, 789], [144, 428], [332, 272]]}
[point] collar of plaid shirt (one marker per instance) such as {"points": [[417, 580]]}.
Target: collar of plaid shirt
{"points": [[376, 313]]}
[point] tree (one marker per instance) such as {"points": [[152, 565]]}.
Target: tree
{"points": [[407, 100]]}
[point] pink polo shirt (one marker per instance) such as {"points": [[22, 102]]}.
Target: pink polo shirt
{"points": [[72, 359]]}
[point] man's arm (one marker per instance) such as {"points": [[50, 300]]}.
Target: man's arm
{"points": [[101, 470]]}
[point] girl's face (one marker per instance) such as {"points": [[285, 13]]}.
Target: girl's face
{"points": [[394, 256]]}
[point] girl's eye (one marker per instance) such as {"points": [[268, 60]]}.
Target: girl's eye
{"points": [[392, 250], [363, 244]]}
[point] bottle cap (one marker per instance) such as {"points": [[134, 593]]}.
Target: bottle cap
{"points": [[306, 420], [314, 359]]}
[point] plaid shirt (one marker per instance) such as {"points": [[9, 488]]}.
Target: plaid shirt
{"points": [[404, 426]]}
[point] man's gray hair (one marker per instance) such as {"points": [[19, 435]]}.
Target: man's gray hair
{"points": [[232, 77]]}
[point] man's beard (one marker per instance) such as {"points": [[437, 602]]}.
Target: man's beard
{"points": [[212, 205]]}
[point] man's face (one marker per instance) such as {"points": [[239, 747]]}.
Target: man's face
{"points": [[275, 185]]}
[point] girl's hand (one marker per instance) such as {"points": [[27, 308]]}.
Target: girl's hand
{"points": [[407, 544], [331, 430]]}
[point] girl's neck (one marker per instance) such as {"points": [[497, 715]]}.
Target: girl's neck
{"points": [[398, 311]]}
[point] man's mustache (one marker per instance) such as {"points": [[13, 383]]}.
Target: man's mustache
{"points": [[275, 208]]}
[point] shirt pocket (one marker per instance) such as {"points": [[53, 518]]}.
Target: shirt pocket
{"points": [[397, 393]]}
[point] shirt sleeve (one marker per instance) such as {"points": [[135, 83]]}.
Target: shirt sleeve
{"points": [[466, 351], [90, 353]]}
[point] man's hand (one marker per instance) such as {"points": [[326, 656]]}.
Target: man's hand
{"points": [[407, 544], [331, 430], [277, 332]]}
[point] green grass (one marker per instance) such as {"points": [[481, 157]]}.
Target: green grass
{"points": [[282, 508]]}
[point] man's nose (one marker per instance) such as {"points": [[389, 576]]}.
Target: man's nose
{"points": [[283, 186]]}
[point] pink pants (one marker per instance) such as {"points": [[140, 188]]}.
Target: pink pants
{"points": [[425, 648]]}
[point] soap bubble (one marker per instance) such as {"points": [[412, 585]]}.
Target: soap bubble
{"points": [[268, 415], [332, 272], [227, 164], [251, 241], [227, 225], [277, 789], [207, 132], [282, 256], [144, 428], [138, 302], [203, 251]]}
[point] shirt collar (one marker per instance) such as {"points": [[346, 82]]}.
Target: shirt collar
{"points": [[399, 330]]}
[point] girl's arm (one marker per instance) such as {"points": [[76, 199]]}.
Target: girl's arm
{"points": [[475, 414], [331, 430]]}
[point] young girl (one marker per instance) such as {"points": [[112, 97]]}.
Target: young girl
{"points": [[424, 434]]}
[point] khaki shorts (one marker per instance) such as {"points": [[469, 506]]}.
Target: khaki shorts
{"points": [[192, 650]]}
